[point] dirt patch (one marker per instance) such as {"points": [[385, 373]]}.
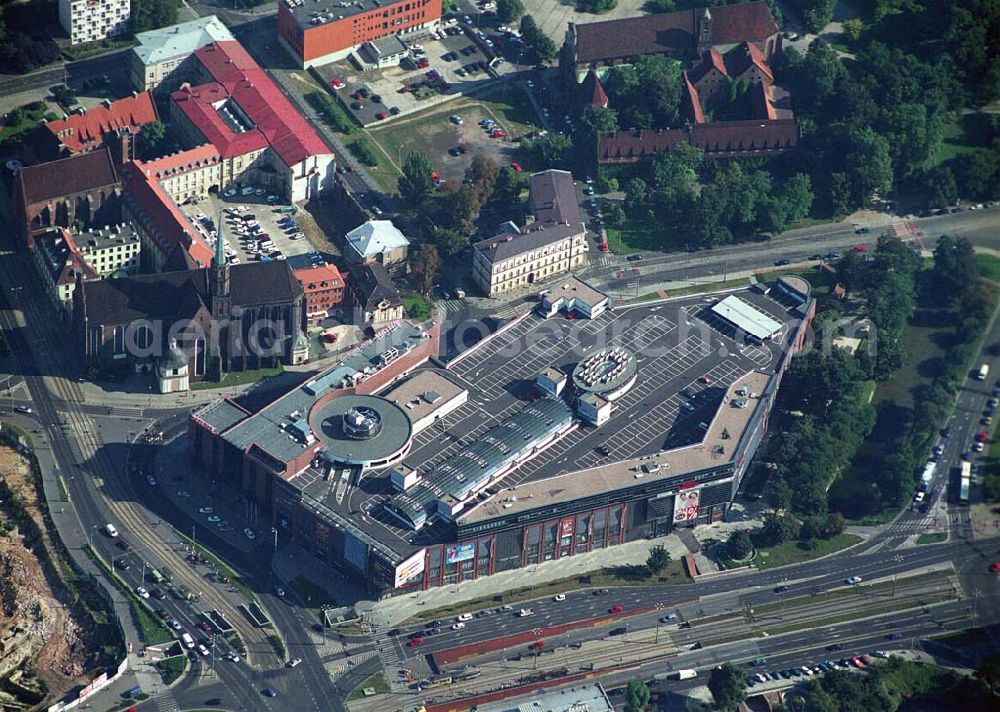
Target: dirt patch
{"points": [[41, 645]]}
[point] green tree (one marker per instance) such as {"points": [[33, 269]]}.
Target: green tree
{"points": [[727, 683], [596, 6], [425, 267], [659, 6], [614, 215], [449, 242], [507, 190], [552, 151], [152, 140], [537, 44], [152, 14], [636, 194], [853, 29], [509, 11], [779, 528], [637, 697], [364, 150], [658, 559], [739, 545], [778, 493], [416, 181], [833, 525]]}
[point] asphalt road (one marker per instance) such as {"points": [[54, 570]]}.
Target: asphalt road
{"points": [[978, 226]]}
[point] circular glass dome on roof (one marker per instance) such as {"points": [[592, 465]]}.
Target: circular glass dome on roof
{"points": [[608, 373]]}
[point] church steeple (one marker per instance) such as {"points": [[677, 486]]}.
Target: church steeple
{"points": [[704, 32], [219, 274]]}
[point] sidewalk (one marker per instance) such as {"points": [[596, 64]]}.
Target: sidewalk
{"points": [[70, 530]]}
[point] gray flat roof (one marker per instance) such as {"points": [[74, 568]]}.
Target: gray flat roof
{"points": [[221, 415], [327, 422], [576, 288], [581, 698], [275, 428], [747, 317], [306, 12], [466, 471], [416, 395]]}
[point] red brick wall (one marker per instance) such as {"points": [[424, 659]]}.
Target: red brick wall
{"points": [[316, 41]]}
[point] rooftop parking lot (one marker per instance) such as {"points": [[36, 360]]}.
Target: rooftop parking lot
{"points": [[685, 369]]}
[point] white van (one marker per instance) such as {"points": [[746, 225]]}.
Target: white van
{"points": [[187, 640], [465, 617], [110, 529]]}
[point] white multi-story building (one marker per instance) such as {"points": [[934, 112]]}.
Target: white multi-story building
{"points": [[166, 56], [552, 242], [93, 20]]}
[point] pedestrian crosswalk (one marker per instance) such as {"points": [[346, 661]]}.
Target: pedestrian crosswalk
{"points": [[392, 663], [163, 702], [340, 666]]}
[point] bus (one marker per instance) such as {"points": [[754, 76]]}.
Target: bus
{"points": [[964, 483], [983, 372]]}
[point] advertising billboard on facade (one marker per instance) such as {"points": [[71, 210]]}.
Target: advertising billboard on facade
{"points": [[460, 552], [686, 506], [566, 528], [409, 569]]}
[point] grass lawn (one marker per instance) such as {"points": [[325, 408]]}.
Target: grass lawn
{"points": [[377, 682], [239, 378], [63, 494], [172, 668], [635, 235], [417, 307], [432, 133], [935, 538], [223, 569], [822, 283], [152, 630], [966, 134], [694, 289], [75, 54], [989, 266], [30, 116], [794, 552]]}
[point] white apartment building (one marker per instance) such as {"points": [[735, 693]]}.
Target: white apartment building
{"points": [[552, 242], [93, 20]]}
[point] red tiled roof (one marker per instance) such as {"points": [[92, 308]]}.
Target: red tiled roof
{"points": [[161, 217], [722, 139], [760, 102], [692, 102], [739, 59], [592, 92], [80, 132], [311, 278], [671, 33], [67, 176], [276, 123], [183, 161]]}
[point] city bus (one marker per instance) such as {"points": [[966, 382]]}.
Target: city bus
{"points": [[964, 483]]}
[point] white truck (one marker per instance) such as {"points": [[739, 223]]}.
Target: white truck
{"points": [[983, 372], [685, 674], [187, 640]]}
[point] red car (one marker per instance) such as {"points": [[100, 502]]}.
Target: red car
{"points": [[604, 247], [617, 608], [861, 248], [983, 436], [499, 133], [516, 166], [337, 83], [995, 567], [705, 379], [415, 642], [381, 115], [329, 338], [537, 645], [435, 176]]}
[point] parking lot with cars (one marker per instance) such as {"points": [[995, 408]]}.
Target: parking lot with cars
{"points": [[254, 227], [440, 66]]}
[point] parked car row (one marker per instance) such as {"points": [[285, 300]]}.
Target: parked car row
{"points": [[856, 663]]}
